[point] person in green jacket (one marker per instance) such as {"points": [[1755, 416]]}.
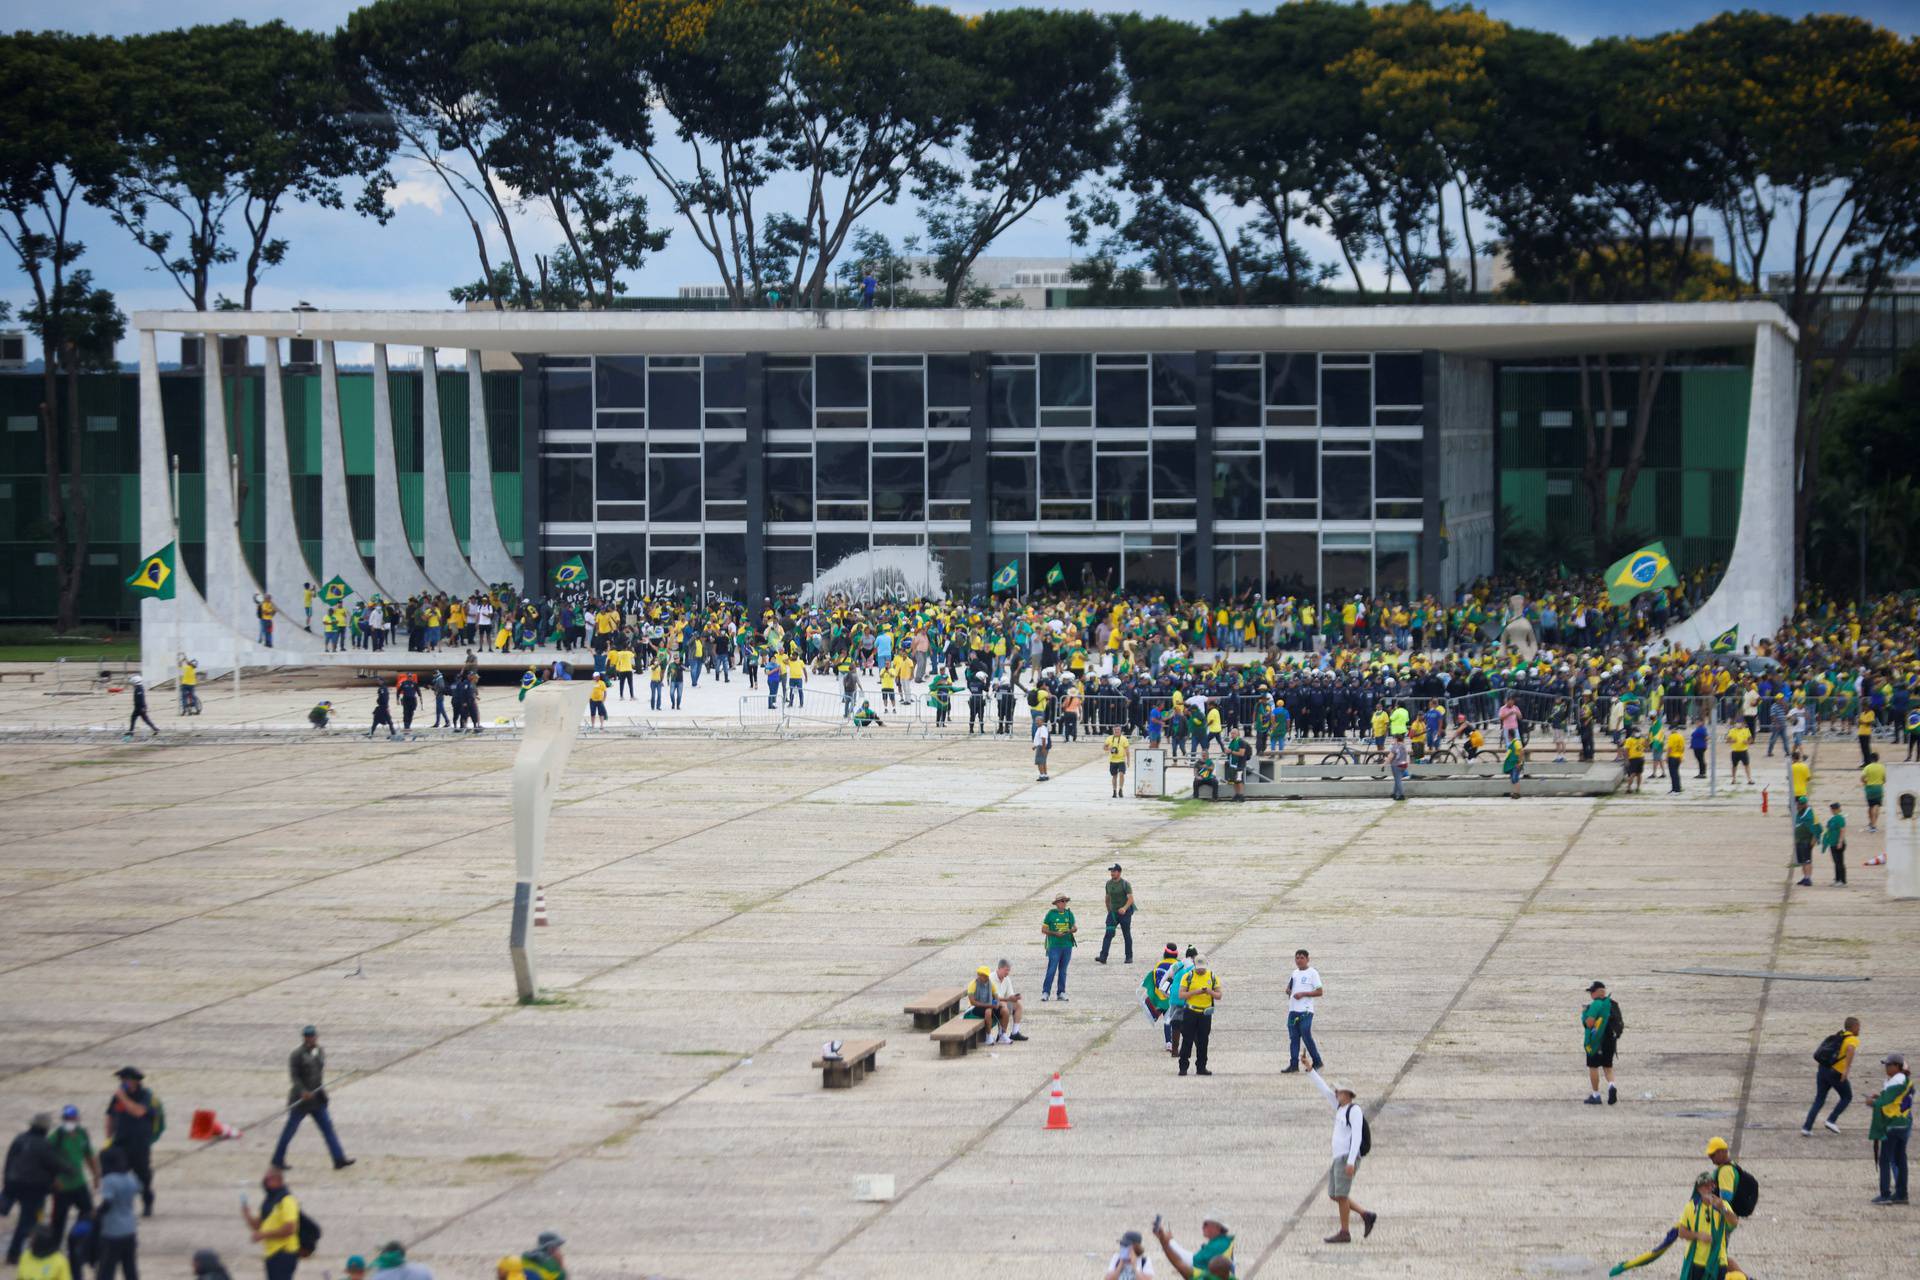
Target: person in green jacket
{"points": [[1058, 928], [1891, 1127], [1214, 1257], [1510, 765]]}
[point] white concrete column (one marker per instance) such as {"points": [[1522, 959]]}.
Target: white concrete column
{"points": [[485, 550], [339, 554], [392, 552], [287, 568], [447, 568], [1756, 591], [230, 586]]}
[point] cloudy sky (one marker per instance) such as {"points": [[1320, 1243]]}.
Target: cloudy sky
{"points": [[341, 260]]}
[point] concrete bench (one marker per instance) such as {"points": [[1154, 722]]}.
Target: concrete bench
{"points": [[931, 1008], [957, 1035], [31, 677], [851, 1067]]}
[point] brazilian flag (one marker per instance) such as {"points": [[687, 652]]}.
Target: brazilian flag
{"points": [[1727, 641], [155, 576], [1638, 571], [529, 682], [1056, 575], [1008, 579], [570, 572], [336, 590]]}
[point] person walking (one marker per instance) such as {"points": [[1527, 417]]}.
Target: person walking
{"points": [[1116, 745], [1806, 833], [1198, 992], [116, 1229], [139, 715], [1351, 1143], [1042, 744], [307, 1069], [1833, 838], [276, 1228], [1833, 1059], [1676, 756], [32, 1168], [1892, 1125], [1120, 910], [1601, 1023], [1303, 988], [1739, 744], [1155, 997], [79, 1166], [1058, 928], [134, 1122], [1177, 1000], [1400, 761], [382, 712], [1873, 784]]}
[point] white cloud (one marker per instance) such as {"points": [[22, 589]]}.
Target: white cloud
{"points": [[427, 192]]}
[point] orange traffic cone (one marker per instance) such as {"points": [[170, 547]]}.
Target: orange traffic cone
{"points": [[208, 1127], [1763, 798], [1057, 1106], [539, 907]]}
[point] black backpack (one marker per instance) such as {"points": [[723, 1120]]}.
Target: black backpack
{"points": [[309, 1233], [1366, 1136], [1746, 1192], [1829, 1050]]}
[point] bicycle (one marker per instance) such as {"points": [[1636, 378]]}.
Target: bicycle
{"points": [[1349, 754]]}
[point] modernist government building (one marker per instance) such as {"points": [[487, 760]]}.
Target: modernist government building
{"points": [[1319, 450]]}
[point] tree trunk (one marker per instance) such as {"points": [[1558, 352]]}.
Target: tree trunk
{"points": [[1652, 368], [1599, 449]]}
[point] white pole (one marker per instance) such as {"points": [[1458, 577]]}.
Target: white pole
{"points": [[1713, 743]]}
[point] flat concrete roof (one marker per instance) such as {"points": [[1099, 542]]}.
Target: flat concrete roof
{"points": [[1509, 331]]}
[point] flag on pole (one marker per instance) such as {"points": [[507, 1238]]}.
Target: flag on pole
{"points": [[1727, 641], [1056, 575], [529, 682], [336, 590], [154, 577], [569, 572], [1008, 579], [1641, 570]]}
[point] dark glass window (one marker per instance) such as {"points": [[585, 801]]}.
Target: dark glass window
{"points": [[843, 381], [674, 479], [1292, 377], [1293, 564], [899, 486], [1010, 480], [621, 556], [840, 470], [1010, 406], [1396, 468], [1346, 397], [1122, 480], [676, 399], [566, 488], [949, 381], [834, 549], [789, 486], [620, 382], [726, 382], [1173, 462], [897, 398], [1293, 469], [726, 471], [569, 402], [621, 470], [675, 570], [948, 477], [1236, 486], [1123, 398], [790, 399], [727, 563], [1066, 469], [1236, 397], [1173, 379], [788, 570], [1066, 381], [1396, 379], [1346, 486]]}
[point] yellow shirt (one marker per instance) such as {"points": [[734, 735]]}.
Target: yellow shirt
{"points": [[1116, 748], [1676, 745], [1634, 747], [599, 691], [52, 1267], [1802, 775], [285, 1214], [1866, 721], [1873, 775], [190, 676], [1196, 990], [1703, 1218], [1844, 1059], [1739, 738], [1379, 724]]}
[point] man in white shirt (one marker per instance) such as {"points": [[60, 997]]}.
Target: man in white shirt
{"points": [[1303, 985], [1349, 1135], [1003, 992], [1132, 1262]]}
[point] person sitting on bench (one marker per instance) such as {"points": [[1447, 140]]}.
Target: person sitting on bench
{"points": [[983, 1003], [1203, 775]]}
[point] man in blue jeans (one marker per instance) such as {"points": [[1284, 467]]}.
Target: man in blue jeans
{"points": [[1058, 928], [1303, 985], [307, 1067]]}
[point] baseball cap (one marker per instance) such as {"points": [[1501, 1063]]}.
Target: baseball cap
{"points": [[1716, 1144], [356, 1263], [1130, 1239], [1061, 897], [1114, 867], [1596, 985], [309, 1030], [69, 1112], [130, 1073], [1217, 1221], [550, 1240], [1894, 1060]]}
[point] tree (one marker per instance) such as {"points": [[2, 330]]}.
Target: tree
{"points": [[853, 98], [233, 120], [59, 149], [1028, 137], [1812, 128]]}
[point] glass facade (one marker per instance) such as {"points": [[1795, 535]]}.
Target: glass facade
{"points": [[1147, 470]]}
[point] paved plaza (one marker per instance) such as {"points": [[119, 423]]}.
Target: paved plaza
{"points": [[722, 905]]}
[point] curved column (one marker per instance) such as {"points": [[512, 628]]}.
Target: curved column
{"points": [[287, 568], [1756, 591], [485, 550], [447, 568], [392, 552], [339, 554], [230, 586]]}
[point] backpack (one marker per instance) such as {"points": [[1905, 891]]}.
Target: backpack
{"points": [[309, 1234], [159, 1112], [1829, 1050], [1746, 1192], [1617, 1024], [1366, 1136]]}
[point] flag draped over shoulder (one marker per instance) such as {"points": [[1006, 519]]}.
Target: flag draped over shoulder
{"points": [[154, 577], [1638, 571]]}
